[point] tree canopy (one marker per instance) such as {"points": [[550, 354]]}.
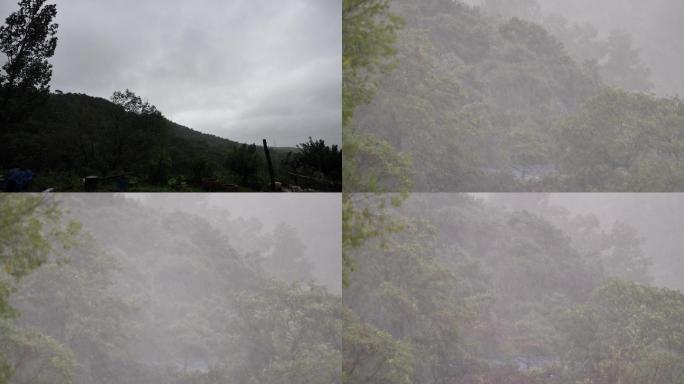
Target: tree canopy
{"points": [[507, 290], [28, 40]]}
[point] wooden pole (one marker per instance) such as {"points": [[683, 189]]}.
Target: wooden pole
{"points": [[270, 166]]}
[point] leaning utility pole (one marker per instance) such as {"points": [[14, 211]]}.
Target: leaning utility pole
{"points": [[270, 166]]}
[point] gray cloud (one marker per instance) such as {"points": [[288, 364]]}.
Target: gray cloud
{"points": [[240, 69]]}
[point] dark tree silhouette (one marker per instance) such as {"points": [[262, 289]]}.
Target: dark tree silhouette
{"points": [[317, 156], [244, 161], [28, 40], [133, 103]]}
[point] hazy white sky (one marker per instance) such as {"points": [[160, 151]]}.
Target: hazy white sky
{"points": [[317, 218], [240, 69]]}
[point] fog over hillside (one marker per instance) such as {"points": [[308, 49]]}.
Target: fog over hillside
{"points": [[519, 289], [654, 26], [517, 96], [169, 288], [315, 219], [656, 218]]}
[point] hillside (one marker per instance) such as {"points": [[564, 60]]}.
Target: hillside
{"points": [[72, 136], [153, 296], [509, 290], [492, 99]]}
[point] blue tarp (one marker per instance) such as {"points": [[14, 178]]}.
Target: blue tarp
{"points": [[18, 179]]}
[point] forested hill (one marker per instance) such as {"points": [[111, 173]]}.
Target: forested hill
{"points": [[141, 294], [472, 292], [72, 136], [489, 98]]}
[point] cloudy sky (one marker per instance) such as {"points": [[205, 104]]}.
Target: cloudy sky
{"points": [[240, 69]]}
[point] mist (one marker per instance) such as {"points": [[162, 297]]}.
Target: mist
{"points": [[170, 288], [248, 218], [656, 219], [519, 96], [654, 27], [520, 288]]}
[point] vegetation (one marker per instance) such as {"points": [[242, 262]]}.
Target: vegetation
{"points": [[28, 40], [369, 32], [73, 142], [501, 98], [473, 292], [129, 145], [142, 294], [32, 233]]}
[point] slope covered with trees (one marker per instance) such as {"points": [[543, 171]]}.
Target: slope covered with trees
{"points": [[72, 136], [136, 293], [73, 142], [468, 292], [504, 98]]}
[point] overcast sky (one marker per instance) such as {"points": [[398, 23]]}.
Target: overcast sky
{"points": [[240, 69]]}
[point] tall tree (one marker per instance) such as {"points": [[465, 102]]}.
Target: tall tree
{"points": [[31, 230], [28, 40], [626, 333], [369, 34]]}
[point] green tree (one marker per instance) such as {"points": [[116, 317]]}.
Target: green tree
{"points": [[626, 333], [622, 141], [28, 40], [372, 355], [402, 289], [289, 334], [31, 231], [32, 357], [369, 33], [73, 303]]}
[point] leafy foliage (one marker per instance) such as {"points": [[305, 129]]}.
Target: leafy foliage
{"points": [[504, 98], [28, 40], [508, 290], [372, 354], [369, 32], [623, 142], [626, 333], [34, 357], [31, 231], [102, 310], [289, 334]]}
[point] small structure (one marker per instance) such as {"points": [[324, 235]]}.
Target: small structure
{"points": [[90, 183]]}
